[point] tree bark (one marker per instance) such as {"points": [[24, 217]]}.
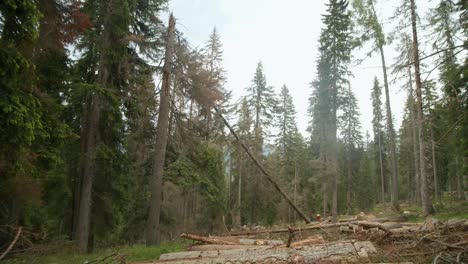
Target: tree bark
{"points": [[382, 178], [434, 166], [425, 195], [239, 193], [88, 172], [459, 180], [335, 194], [295, 188], [349, 185], [413, 138], [152, 228], [391, 131], [325, 198]]}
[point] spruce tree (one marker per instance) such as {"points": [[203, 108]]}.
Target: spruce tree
{"points": [[350, 129], [213, 63], [330, 84], [366, 17], [425, 194], [377, 119], [287, 127], [262, 102]]}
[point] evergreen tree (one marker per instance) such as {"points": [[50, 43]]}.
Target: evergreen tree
{"points": [[425, 195], [365, 180], [286, 142], [287, 128], [213, 63], [330, 84], [350, 128], [262, 102], [367, 19], [377, 119]]}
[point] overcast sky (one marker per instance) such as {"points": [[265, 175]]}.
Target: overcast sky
{"points": [[284, 36]]}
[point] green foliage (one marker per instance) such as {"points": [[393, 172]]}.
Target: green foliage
{"points": [[262, 103], [202, 168]]}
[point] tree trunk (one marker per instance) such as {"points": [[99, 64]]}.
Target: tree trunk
{"points": [[295, 189], [391, 131], [76, 205], [152, 228], [459, 180], [88, 172], [413, 138], [425, 195], [335, 191], [434, 165], [239, 198], [349, 185], [382, 178], [325, 198]]}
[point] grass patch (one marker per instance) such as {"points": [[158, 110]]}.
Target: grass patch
{"points": [[448, 209], [133, 253]]}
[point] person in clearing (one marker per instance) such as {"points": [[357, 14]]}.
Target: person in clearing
{"points": [[317, 217]]}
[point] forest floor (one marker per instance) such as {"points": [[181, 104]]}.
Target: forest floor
{"points": [[126, 254], [414, 247]]}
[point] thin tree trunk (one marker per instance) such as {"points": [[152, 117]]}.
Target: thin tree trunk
{"points": [[295, 188], [325, 198], [76, 206], [391, 131], [239, 195], [349, 186], [382, 178], [434, 165], [459, 180], [334, 163], [413, 138], [425, 195], [334, 185], [152, 228]]}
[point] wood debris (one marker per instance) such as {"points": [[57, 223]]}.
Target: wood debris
{"points": [[350, 241]]}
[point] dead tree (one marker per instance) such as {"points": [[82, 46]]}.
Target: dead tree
{"points": [[152, 227]]}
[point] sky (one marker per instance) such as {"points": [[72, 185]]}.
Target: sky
{"points": [[284, 37]]}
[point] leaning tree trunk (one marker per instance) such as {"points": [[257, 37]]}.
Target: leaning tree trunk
{"points": [[391, 132], [152, 227], [425, 195]]}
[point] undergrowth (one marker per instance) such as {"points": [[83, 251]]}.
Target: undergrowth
{"points": [[132, 254]]}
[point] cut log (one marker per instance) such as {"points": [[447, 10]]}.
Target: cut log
{"points": [[366, 224], [312, 240], [208, 240], [224, 247], [340, 252], [296, 229], [231, 240]]}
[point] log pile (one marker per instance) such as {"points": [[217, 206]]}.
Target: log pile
{"points": [[336, 252], [357, 241]]}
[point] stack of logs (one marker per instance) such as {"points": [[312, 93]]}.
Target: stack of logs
{"points": [[246, 247]]}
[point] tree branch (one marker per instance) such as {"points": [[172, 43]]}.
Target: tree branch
{"points": [[12, 243]]}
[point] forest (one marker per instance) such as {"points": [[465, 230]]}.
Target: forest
{"points": [[116, 131]]}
